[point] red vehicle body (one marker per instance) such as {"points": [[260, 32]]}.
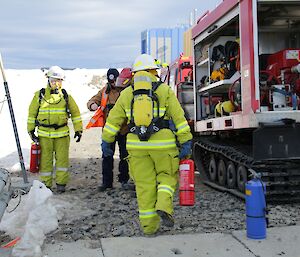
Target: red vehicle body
{"points": [[179, 76], [246, 66]]}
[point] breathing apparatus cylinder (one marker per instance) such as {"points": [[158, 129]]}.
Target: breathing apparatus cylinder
{"points": [[256, 221], [35, 157], [143, 104], [186, 183]]}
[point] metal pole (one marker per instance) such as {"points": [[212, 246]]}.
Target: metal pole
{"points": [[195, 16], [13, 120]]}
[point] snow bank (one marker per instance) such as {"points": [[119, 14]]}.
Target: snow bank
{"points": [[34, 217]]}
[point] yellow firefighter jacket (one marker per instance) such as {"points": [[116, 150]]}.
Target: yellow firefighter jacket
{"points": [[51, 110], [169, 107]]}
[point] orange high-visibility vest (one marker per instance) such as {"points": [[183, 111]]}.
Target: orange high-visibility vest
{"points": [[98, 119]]}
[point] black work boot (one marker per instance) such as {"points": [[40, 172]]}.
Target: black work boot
{"points": [[103, 188], [166, 218], [60, 188], [127, 186]]}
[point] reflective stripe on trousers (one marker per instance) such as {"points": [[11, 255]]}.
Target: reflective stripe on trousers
{"points": [[149, 168], [57, 148]]}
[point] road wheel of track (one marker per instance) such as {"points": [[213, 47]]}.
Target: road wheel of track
{"points": [[231, 175], [241, 178], [222, 172], [212, 169]]}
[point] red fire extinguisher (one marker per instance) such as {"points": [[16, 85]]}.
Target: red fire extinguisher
{"points": [[35, 157], [186, 182]]}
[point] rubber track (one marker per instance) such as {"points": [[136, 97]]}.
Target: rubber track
{"points": [[282, 178]]}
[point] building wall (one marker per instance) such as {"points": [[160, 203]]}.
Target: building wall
{"points": [[187, 44], [163, 44]]}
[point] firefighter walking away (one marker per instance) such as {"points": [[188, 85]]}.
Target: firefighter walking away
{"points": [[150, 106]]}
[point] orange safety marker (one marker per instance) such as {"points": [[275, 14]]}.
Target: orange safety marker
{"points": [[98, 118], [12, 243]]}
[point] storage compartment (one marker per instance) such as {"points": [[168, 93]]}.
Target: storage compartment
{"points": [[274, 46], [217, 68]]}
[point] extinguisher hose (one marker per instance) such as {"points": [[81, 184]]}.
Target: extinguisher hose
{"points": [[266, 210], [37, 160], [37, 156]]}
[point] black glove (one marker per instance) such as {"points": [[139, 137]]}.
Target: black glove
{"points": [[33, 136], [78, 134]]}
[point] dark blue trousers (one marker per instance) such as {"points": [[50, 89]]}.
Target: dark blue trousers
{"points": [[108, 163]]}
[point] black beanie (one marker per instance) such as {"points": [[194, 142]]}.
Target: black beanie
{"points": [[112, 74]]}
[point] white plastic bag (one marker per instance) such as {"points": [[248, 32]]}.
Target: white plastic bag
{"points": [[34, 218]]}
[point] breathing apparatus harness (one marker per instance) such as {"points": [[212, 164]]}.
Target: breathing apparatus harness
{"points": [[157, 123], [55, 126]]}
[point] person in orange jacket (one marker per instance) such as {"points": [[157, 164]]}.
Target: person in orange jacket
{"points": [[113, 88]]}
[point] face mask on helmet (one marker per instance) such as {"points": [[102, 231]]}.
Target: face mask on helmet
{"points": [[55, 83]]}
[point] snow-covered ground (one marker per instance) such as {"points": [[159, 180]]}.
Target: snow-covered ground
{"points": [[22, 85]]}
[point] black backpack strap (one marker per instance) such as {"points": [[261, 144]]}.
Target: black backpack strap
{"points": [[66, 97], [156, 123], [55, 126], [148, 92], [155, 85], [42, 94]]}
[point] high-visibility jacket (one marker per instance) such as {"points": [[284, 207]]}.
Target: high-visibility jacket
{"points": [[51, 110], [169, 107]]}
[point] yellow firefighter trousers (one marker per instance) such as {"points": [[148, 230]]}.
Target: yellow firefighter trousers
{"points": [[155, 174], [57, 148]]}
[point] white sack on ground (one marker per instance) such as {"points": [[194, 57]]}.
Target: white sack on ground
{"points": [[34, 218]]}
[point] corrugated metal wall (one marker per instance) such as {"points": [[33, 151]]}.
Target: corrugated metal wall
{"points": [[163, 44], [187, 43]]}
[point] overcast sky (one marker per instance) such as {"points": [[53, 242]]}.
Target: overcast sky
{"points": [[84, 33]]}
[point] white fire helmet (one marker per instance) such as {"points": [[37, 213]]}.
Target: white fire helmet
{"points": [[144, 62], [56, 72]]}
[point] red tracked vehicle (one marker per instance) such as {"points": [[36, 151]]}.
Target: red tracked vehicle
{"points": [[246, 54]]}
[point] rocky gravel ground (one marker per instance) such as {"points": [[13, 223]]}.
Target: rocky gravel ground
{"points": [[114, 213], [87, 214]]}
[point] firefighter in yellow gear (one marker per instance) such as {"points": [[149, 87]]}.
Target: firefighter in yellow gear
{"points": [[49, 111], [153, 157]]}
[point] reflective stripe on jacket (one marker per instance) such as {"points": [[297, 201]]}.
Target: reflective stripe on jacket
{"points": [[163, 139], [51, 110]]}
